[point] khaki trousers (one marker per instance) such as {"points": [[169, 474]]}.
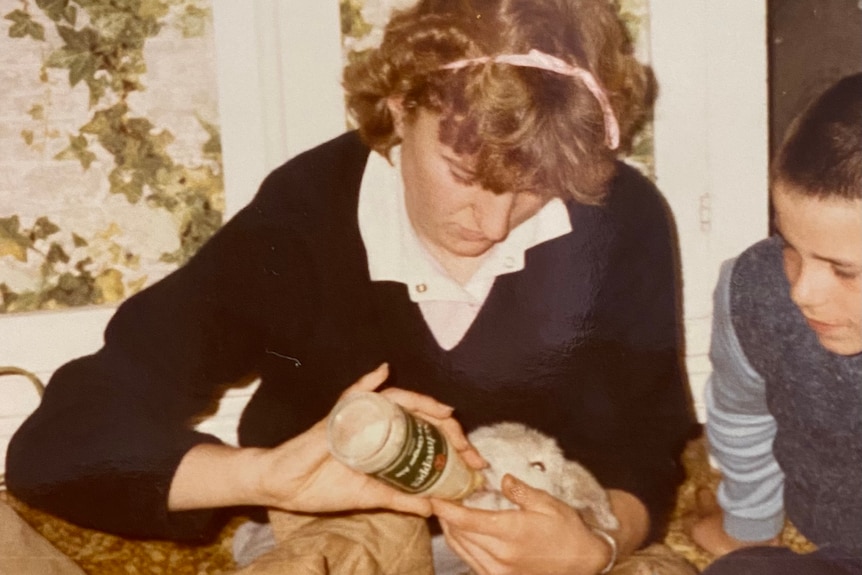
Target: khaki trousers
{"points": [[23, 550], [385, 543]]}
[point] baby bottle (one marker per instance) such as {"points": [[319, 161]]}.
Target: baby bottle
{"points": [[372, 434]]}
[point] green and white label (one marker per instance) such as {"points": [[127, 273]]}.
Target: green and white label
{"points": [[421, 460]]}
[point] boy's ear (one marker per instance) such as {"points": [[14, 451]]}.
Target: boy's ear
{"points": [[396, 108]]}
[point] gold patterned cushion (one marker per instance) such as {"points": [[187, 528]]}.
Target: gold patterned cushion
{"points": [[98, 552]]}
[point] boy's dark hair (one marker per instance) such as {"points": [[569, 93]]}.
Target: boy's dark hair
{"points": [[821, 155]]}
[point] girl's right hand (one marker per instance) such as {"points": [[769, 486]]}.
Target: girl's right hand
{"points": [[300, 475]]}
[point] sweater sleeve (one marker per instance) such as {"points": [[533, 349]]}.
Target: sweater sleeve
{"points": [[740, 430], [103, 445], [639, 367]]}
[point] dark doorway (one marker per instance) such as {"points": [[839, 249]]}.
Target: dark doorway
{"points": [[812, 43]]}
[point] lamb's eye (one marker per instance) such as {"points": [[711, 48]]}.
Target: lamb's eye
{"points": [[538, 465]]}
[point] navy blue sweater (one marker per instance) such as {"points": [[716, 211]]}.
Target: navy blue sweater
{"points": [[583, 344]]}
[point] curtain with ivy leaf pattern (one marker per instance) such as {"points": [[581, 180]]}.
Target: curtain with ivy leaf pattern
{"points": [[110, 171]]}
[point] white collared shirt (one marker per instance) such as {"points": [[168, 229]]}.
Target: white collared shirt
{"points": [[395, 252]]}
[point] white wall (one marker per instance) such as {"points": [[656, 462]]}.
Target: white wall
{"points": [[279, 69], [711, 144]]}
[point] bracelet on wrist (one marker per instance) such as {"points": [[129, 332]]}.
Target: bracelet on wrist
{"points": [[612, 543]]}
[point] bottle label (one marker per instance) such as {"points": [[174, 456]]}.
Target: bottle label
{"points": [[421, 460]]}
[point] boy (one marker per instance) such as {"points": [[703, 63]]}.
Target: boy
{"points": [[784, 402]]}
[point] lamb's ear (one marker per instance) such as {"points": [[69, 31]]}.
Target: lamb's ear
{"points": [[577, 481], [557, 467]]}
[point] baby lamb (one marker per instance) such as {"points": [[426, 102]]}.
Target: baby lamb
{"points": [[537, 460]]}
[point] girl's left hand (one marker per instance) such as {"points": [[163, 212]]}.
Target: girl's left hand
{"points": [[545, 536]]}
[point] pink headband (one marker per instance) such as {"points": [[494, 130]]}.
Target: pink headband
{"points": [[543, 61]]}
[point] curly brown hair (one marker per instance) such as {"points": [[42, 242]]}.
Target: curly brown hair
{"points": [[525, 128]]}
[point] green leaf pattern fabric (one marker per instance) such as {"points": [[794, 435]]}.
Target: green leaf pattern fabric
{"points": [[110, 171]]}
